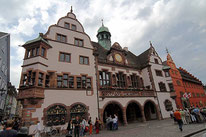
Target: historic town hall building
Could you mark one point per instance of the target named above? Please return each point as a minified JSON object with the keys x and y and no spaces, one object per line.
{"x":65,"y":74}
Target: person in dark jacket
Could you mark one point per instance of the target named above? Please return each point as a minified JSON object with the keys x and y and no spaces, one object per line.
{"x":76,"y":124}
{"x":23,"y":132}
{"x":69,"y":128}
{"x":9,"y":132}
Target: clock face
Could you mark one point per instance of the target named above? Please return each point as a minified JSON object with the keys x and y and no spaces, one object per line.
{"x":118,"y":57}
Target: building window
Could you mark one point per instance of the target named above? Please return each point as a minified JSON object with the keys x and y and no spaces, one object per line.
{"x":56,"y":115}
{"x":61,"y":38}
{"x":158,"y":73}
{"x":171,"y":86}
{"x":168,"y":105}
{"x":47,"y":81}
{"x":40,"y":81}
{"x":71,"y":82}
{"x":198,"y":95}
{"x":37,"y":51}
{"x":121,"y":80}
{"x":162,"y":86}
{"x":178,"y":83}
{"x":83,"y":82}
{"x":83,"y":60}
{"x":64,"y":57}
{"x":78,"y":42}
{"x":74,"y":27}
{"x":24,"y":79}
{"x":156,"y":61}
{"x":104,"y":78}
{"x":134,"y":80}
{"x":59,"y":81}
{"x":65,"y":80}
{"x":67,"y":25}
{"x":43,"y":52}
{"x":193,"y":95}
{"x":167,"y":74}
{"x":79,"y":82}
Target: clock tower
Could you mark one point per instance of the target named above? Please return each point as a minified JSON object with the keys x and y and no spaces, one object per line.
{"x":104,"y":37}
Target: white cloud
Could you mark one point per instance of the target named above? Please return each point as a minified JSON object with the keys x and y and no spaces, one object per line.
{"x":178,"y":25}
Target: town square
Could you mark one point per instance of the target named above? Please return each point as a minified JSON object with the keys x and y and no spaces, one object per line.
{"x":102,"y":68}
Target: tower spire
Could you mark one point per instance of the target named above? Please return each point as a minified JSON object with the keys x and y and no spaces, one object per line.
{"x":102,"y":22}
{"x":150,"y":44}
{"x":71,"y":10}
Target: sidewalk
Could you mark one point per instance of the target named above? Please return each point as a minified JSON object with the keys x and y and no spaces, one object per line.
{"x":163,"y":128}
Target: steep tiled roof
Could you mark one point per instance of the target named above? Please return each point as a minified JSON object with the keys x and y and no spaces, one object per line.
{"x":188,"y":77}
{"x":102,"y":55}
{"x":143,"y":59}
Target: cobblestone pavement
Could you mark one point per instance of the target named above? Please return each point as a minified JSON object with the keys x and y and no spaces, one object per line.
{"x":156,"y":128}
{"x":163,"y":128}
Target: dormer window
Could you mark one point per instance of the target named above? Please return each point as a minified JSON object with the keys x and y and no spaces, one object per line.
{"x":67,"y":25}
{"x":156,"y":61}
{"x":74,"y":27}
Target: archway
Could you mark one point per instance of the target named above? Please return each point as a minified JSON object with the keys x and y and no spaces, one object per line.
{"x":133,"y":113}
{"x":111,"y":109}
{"x":150,"y":111}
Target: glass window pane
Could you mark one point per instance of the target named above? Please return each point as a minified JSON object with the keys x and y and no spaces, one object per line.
{"x":74,"y":27}
{"x":80,"y":43}
{"x":67,"y":58}
{"x":58,"y":37}
{"x":61,"y":57}
{"x":63,"y":39}
{"x":86,"y":61}
{"x":66,"y":25}
{"x":81,"y":60}
{"x":76,"y":42}
{"x":42,"y":52}
{"x":37,"y":51}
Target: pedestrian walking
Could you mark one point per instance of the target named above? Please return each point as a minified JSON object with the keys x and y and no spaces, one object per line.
{"x":177,"y":115}
{"x":76,"y":124}
{"x":9,"y":132}
{"x":82,"y":127}
{"x":183,"y":117}
{"x":90,"y":125}
{"x":97,"y":126}
{"x":115,"y":120}
{"x":110,"y":122}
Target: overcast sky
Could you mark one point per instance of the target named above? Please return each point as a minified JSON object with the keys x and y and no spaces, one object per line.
{"x":179,"y":25}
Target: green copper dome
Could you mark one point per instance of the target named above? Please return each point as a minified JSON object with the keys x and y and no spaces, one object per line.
{"x":103,"y":29}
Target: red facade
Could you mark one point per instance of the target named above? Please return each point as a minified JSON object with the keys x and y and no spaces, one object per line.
{"x":189,"y":90}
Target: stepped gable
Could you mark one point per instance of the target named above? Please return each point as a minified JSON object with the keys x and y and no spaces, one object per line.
{"x":102,"y":54}
{"x":188,"y":77}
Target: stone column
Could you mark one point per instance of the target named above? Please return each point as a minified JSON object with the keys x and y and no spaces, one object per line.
{"x":143,"y":116}
{"x":125,"y":116}
{"x":158,"y":113}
